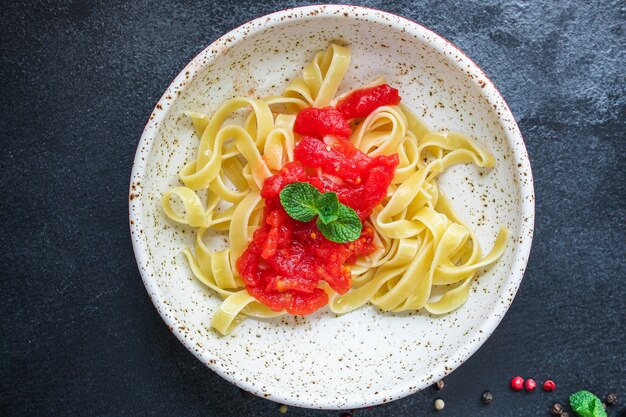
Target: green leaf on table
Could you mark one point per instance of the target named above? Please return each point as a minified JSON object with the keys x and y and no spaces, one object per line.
{"x":586,"y":404}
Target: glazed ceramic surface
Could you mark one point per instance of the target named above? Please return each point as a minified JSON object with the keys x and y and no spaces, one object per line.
{"x":365,"y":357}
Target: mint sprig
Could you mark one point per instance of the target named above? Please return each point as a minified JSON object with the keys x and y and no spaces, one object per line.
{"x":328,"y":208}
{"x":299,"y":199}
{"x":346,"y":228}
{"x":586,"y":404}
{"x":337,"y":222}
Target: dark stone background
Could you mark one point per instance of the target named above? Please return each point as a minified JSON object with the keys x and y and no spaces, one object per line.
{"x":78,"y":334}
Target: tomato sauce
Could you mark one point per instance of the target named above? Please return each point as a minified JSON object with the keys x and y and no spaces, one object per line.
{"x":286,"y":259}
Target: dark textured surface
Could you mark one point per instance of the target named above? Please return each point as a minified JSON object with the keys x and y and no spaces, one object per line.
{"x":78,"y":334}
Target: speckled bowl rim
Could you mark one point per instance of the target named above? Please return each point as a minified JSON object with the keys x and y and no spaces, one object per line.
{"x":489,"y":91}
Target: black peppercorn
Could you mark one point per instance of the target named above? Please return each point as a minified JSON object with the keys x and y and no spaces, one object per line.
{"x":439,"y":385}
{"x":556,"y":409}
{"x":611,"y":399}
{"x":486,"y":398}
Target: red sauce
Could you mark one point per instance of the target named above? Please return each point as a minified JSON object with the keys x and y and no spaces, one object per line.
{"x":361,"y":103}
{"x":287,"y":259}
{"x":360,"y":182}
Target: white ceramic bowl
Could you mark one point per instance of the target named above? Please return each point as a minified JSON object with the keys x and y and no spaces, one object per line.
{"x":366,"y":357}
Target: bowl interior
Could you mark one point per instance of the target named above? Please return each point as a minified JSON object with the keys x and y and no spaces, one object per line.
{"x":365,"y":357}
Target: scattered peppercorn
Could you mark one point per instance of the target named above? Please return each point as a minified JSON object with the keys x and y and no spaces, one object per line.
{"x":517,"y":383}
{"x":486,"y":398}
{"x":282,"y":409}
{"x":556,"y":409}
{"x":439,"y":385}
{"x":611,"y":399}
{"x":530,"y":385}
{"x":549,"y":385}
{"x":439,"y":404}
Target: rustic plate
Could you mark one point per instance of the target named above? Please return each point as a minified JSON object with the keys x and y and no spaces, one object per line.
{"x":366,"y":357}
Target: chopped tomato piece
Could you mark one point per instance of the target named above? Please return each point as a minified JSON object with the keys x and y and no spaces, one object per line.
{"x":361,"y":103}
{"x":302,"y":304}
{"x":366,"y":179}
{"x":314,"y":153}
{"x":315,"y":122}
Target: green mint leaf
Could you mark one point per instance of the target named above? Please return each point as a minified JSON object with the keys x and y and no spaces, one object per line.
{"x":299,"y":200}
{"x":327,"y":207}
{"x":346,"y":228}
{"x":327,"y":219}
{"x":585,"y":404}
{"x":598,"y":410}
{"x":337,"y":222}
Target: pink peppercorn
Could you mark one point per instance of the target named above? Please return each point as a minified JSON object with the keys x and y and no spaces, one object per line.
{"x":549,"y":385}
{"x":517,"y":383}
{"x":530,"y":385}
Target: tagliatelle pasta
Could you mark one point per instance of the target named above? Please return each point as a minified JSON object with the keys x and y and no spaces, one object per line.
{"x":420,"y":243}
